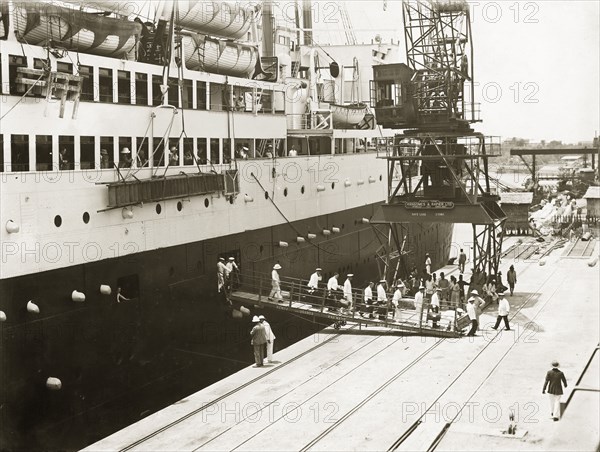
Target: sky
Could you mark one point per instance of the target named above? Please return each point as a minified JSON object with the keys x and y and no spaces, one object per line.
{"x":537,"y":64}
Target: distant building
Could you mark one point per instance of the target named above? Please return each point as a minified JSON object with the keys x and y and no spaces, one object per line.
{"x":516,"y":206}
{"x":592,"y":198}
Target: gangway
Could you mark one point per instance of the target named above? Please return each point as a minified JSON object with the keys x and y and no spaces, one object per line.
{"x":253,"y":291}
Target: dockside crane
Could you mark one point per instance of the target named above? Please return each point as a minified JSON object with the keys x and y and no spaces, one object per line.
{"x":438,"y":165}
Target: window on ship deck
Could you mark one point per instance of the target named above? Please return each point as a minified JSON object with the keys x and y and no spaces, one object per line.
{"x":124,"y":87}
{"x":156,"y":93}
{"x":87,"y":87}
{"x":143,"y":156}
{"x":43,"y":152}
{"x":173,"y":92}
{"x":188,"y":94}
{"x":215,"y":156}
{"x":141,"y":89}
{"x":216,"y":97}
{"x":87,"y":154}
{"x":19,"y":151}
{"x":200,"y":95}
{"x":201,"y":151}
{"x":107,"y":158}
{"x":105,"y":79}
{"x":1,"y":153}
{"x":15,"y":62}
{"x":188,"y":151}
{"x":66,"y":150}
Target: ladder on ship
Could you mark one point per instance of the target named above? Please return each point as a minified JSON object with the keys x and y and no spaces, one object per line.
{"x":253,"y":290}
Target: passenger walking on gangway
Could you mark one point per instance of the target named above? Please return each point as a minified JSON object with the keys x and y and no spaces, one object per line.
{"x":435,"y":306}
{"x":275,"y":284}
{"x":348,"y":290}
{"x":396,"y":300}
{"x":333,"y":291}
{"x":503,"y":310}
{"x":382,"y":299}
{"x":315,"y":279}
{"x":368,"y":299}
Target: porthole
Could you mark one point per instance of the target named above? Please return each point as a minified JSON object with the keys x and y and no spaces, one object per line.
{"x":179,"y":206}
{"x":285,"y":192}
{"x":302,"y":189}
{"x":266,"y":195}
{"x":158,"y":209}
{"x":86,"y":217}
{"x":57,"y":221}
{"x":206,"y":202}
{"x":333,"y":185}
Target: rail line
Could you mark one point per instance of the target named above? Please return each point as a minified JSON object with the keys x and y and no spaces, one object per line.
{"x":582,"y":248}
{"x":442,"y":433}
{"x":228,"y":394}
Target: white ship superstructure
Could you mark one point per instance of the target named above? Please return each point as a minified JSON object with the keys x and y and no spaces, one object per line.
{"x":131,"y":159}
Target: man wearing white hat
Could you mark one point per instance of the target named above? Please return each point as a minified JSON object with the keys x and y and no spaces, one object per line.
{"x":368,"y":299}
{"x":315,"y":278}
{"x":396,"y":299}
{"x":275,"y":287}
{"x":435,"y":306}
{"x":270,"y":338}
{"x":503,"y":310}
{"x":222,"y":274}
{"x":348,"y":290}
{"x":259,"y":339}
{"x":125,"y":158}
{"x":231,"y":266}
{"x":478,"y":302}
{"x":472,"y":316}
{"x":419,"y":296}
{"x":554,"y":381}
{"x":382,"y":299}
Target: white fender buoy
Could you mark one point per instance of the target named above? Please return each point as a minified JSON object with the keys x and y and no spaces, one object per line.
{"x":77,"y":296}
{"x":371,"y":180}
{"x":360,"y":182}
{"x":320,"y":187}
{"x":282,"y":244}
{"x":347,"y":183}
{"x":53,"y":383}
{"x":12,"y":227}
{"x":592,"y":262}
{"x":300,"y":240}
{"x":126,"y":213}
{"x":32,"y":307}
{"x":248,"y":198}
{"x":542,"y":262}
{"x":105,"y":289}
{"x":245,"y":311}
{"x":326,"y":232}
{"x":2,"y":316}
{"x":335,"y":230}
{"x":236,"y":314}
{"x":311,"y":236}
{"x":365,"y":221}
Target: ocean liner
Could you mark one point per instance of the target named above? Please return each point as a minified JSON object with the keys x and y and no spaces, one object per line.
{"x":137,"y":151}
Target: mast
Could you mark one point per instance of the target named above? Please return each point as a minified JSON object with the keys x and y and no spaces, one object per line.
{"x":268,"y":29}
{"x":307,"y":21}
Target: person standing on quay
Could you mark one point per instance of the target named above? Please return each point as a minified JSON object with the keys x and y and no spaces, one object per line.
{"x":428,"y":263}
{"x":259,"y":339}
{"x":503,"y":310}
{"x":270,"y":338}
{"x":511,"y":278}
{"x":472,"y":316}
{"x":275,"y":287}
{"x":554,"y":380}
{"x":462,"y":260}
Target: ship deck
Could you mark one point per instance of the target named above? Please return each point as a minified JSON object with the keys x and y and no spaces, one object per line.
{"x":367,"y":389}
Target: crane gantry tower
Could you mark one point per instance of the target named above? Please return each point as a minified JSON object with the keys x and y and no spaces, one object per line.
{"x":438,"y":165}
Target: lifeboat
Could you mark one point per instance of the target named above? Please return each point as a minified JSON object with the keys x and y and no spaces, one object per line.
{"x":75,"y":30}
{"x":347,"y":116}
{"x":224,"y":19}
{"x":219,"y":57}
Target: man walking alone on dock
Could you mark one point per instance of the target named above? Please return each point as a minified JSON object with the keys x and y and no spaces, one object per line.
{"x":462,"y":260}
{"x":511,"y":278}
{"x":259,"y":339}
{"x":554,"y":380}
{"x":503,"y":310}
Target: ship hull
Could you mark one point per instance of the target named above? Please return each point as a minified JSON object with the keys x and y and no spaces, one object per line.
{"x":173,"y":328}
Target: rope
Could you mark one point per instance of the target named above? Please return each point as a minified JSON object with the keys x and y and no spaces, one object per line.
{"x":22,"y":97}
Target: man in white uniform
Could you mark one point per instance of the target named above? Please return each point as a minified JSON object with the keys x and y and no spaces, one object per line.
{"x":348,"y":290}
{"x":503,"y":310}
{"x":333,"y":290}
{"x":275,"y":288}
{"x":419,"y":296}
{"x":270,"y":339}
{"x":315,"y":279}
{"x":396,"y":300}
{"x":368,"y":299}
{"x":435,"y":306}
{"x":222,"y":274}
{"x":472,"y":316}
{"x":231,"y":266}
{"x":382,"y":299}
